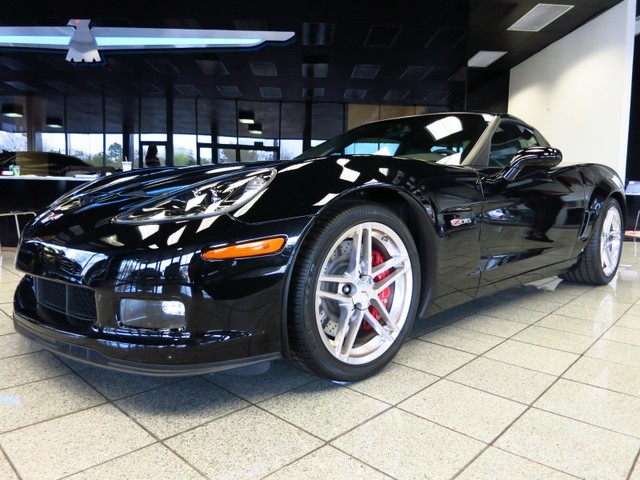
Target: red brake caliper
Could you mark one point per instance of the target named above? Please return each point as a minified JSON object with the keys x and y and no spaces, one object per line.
{"x":377,"y":259}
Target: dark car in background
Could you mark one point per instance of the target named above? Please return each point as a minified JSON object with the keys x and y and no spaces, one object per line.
{"x":48,"y":164}
{"x":325,"y":260}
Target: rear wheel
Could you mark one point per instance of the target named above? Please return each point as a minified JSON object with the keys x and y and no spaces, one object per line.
{"x":354,"y":292}
{"x":599,"y":261}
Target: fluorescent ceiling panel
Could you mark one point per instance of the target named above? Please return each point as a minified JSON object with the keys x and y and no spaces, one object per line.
{"x":484,"y":58}
{"x":539,"y":17}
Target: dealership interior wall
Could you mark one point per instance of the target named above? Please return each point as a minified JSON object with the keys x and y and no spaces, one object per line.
{"x":579,"y":89}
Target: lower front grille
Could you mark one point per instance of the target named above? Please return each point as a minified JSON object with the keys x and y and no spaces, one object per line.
{"x":78,"y":304}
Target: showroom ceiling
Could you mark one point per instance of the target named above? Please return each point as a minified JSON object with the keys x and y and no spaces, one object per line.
{"x":343,"y":52}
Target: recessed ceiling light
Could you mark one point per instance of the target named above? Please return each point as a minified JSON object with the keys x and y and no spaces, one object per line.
{"x":54,"y":122}
{"x":246,"y":117}
{"x":12,"y":111}
{"x":539,"y":17}
{"x":256,"y":129}
{"x":484,"y":58}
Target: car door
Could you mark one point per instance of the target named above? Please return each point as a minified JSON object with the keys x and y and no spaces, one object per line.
{"x":531,"y":221}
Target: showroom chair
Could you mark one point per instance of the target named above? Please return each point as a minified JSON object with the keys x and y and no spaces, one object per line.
{"x":15,"y":214}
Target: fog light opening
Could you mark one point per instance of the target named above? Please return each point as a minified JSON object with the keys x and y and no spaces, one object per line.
{"x":152,"y":314}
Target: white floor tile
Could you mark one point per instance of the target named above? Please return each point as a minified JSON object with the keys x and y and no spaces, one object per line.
{"x":72,"y":443}
{"x":153,"y":462}
{"x":534,"y":357}
{"x":594,"y":405}
{"x":175,"y":408}
{"x":325,"y":463}
{"x":466,"y":410}
{"x":496,"y":464}
{"x":409,"y":447}
{"x":600,"y":373}
{"x":570,"y":446}
{"x":248,"y":444}
{"x":323,"y":408}
{"x":510,"y":381}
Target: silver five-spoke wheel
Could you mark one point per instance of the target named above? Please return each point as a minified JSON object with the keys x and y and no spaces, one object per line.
{"x":364,"y":293}
{"x":598,"y":262}
{"x":354,"y":292}
{"x":611,"y":240}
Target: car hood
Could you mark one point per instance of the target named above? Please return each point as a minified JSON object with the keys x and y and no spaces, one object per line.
{"x":148,"y":183}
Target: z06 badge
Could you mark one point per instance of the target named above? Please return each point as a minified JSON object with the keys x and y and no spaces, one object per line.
{"x":456,"y":222}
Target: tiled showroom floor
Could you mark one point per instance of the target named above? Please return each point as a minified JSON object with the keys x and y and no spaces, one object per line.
{"x":537,"y":382}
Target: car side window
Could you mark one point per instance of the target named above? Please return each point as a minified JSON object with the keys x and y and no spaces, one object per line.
{"x":509,"y":138}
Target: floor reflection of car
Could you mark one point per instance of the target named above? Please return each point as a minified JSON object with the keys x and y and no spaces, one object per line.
{"x":48,"y":164}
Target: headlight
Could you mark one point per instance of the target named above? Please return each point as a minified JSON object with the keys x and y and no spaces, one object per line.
{"x":201,"y":200}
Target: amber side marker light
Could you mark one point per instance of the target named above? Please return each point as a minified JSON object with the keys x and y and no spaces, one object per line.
{"x":266,"y":246}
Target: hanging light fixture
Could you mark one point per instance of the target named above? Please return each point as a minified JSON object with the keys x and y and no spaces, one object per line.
{"x":256,"y":129}
{"x":11,"y":110}
{"x":246,"y":117}
{"x":54,"y":122}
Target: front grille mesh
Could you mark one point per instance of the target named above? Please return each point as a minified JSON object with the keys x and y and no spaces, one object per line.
{"x":78,"y":304}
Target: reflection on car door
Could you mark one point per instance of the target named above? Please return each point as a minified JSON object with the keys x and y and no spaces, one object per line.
{"x":532,"y":221}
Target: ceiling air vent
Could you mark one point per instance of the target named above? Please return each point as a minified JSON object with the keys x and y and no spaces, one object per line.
{"x":416,"y":72}
{"x":213,"y":67}
{"x":539,"y":17}
{"x":355,"y":93}
{"x":271,"y":92}
{"x":162,"y":65}
{"x":446,"y":38}
{"x":382,"y":36}
{"x":264,"y":69}
{"x":396,"y":95}
{"x":368,"y":72}
{"x":187,"y":90}
{"x":229,"y":91}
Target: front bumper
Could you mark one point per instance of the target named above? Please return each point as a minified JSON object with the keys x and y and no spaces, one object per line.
{"x":121,"y":355}
{"x":233,"y":308}
{"x":104,"y":342}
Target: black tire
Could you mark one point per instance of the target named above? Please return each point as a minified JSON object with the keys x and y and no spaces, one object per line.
{"x":339,"y":324}
{"x":598,"y":263}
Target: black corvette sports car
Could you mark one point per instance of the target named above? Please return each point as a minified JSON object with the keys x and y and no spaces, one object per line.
{"x":325,"y":260}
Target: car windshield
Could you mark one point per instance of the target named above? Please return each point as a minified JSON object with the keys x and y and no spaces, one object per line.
{"x":442,"y":138}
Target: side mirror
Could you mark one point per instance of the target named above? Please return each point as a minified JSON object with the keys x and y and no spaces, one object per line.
{"x":541,"y":157}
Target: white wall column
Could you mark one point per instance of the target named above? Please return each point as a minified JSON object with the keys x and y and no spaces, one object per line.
{"x":577,"y":91}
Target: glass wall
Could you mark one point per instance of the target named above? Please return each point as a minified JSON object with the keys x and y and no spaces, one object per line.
{"x":186,"y":131}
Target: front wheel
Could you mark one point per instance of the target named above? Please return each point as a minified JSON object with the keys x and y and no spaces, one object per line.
{"x":599,"y":261}
{"x":354,"y":292}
